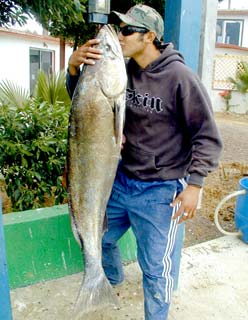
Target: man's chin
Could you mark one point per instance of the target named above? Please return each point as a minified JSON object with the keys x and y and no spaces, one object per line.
{"x":125,"y":55}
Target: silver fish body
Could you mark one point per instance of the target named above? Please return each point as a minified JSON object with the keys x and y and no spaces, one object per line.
{"x":94,"y":144}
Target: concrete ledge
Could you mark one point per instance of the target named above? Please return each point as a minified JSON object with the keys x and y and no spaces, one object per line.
{"x":40,"y":246}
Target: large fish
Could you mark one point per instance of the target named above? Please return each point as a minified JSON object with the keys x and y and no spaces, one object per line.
{"x":94,"y":144}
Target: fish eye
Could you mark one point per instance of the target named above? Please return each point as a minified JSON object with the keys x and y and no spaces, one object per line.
{"x":107,"y":47}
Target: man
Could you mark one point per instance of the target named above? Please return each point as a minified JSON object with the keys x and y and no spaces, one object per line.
{"x":171,"y":143}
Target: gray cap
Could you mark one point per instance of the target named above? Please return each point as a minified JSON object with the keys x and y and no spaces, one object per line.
{"x":145,"y":17}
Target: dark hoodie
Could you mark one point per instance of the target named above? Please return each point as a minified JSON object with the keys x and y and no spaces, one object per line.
{"x":170,"y":129}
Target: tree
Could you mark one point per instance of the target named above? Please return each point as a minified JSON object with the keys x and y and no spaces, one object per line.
{"x":11,"y":13}
{"x":62,"y":18}
{"x":66,"y":19}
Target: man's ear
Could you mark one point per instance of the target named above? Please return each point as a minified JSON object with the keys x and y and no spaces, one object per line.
{"x":150,"y":36}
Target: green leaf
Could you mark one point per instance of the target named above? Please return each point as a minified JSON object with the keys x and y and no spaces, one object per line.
{"x":13,"y":94}
{"x":33,"y":139}
{"x":241,"y":80}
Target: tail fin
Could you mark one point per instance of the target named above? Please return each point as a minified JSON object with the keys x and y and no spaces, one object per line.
{"x":94,"y":294}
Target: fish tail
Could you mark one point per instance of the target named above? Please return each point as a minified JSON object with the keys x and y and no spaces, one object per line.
{"x":94,"y":294}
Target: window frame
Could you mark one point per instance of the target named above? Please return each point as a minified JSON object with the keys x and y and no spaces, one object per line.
{"x":223,"y":31}
{"x":52,"y":66}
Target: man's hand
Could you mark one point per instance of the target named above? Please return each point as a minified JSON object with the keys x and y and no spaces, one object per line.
{"x":86,"y":54}
{"x":123,"y":142}
{"x":188,"y":200}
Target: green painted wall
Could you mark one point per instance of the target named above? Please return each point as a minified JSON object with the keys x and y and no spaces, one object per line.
{"x":40,"y":246}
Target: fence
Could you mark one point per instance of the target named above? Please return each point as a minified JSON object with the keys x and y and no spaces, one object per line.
{"x":226,"y":66}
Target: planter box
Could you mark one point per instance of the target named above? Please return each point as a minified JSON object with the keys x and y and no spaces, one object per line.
{"x":40,"y":246}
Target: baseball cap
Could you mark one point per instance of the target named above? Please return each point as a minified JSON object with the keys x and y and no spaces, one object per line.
{"x":143,"y":16}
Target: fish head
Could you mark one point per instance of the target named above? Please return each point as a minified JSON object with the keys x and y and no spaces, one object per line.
{"x":110,"y":68}
{"x":109,"y":43}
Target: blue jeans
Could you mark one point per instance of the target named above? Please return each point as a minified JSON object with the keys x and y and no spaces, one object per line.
{"x":145,"y":206}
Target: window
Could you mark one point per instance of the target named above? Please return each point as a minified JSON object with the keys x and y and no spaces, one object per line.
{"x":40,"y":60}
{"x":229,"y":31}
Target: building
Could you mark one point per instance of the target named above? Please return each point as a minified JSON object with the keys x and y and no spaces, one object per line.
{"x":26,"y":50}
{"x":231,"y":48}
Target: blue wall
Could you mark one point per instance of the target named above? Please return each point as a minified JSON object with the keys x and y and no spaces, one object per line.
{"x":183,"y":23}
{"x":5,"y":307}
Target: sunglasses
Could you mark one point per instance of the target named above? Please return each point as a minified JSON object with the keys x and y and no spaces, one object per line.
{"x":128,"y":30}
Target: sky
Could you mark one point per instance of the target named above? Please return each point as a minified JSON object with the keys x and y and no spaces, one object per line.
{"x":235,"y":4}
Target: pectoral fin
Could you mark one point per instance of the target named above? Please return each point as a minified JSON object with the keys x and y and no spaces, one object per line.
{"x":118,"y":123}
{"x":105,"y":223}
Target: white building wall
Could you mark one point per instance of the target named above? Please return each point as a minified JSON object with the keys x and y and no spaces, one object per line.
{"x":239,"y":101}
{"x":14,"y":59}
{"x":34,"y":27}
{"x":68,"y":52}
{"x":245,"y":33}
{"x":14,"y":56}
{"x":208,"y":44}
{"x":234,"y":4}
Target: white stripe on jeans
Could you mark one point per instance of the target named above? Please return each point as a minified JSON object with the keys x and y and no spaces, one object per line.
{"x":167,"y":257}
{"x":170,"y":245}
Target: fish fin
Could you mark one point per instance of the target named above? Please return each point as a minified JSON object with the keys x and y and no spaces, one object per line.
{"x":73,"y":222}
{"x":105,"y":223}
{"x":94,"y":295}
{"x":118,"y":123}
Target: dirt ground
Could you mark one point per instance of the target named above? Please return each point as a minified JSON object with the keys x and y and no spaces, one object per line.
{"x":234,"y":165}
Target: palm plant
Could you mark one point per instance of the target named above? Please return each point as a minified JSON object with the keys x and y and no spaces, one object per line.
{"x":12,"y":94}
{"x":241,"y":80}
{"x":51,"y":88}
